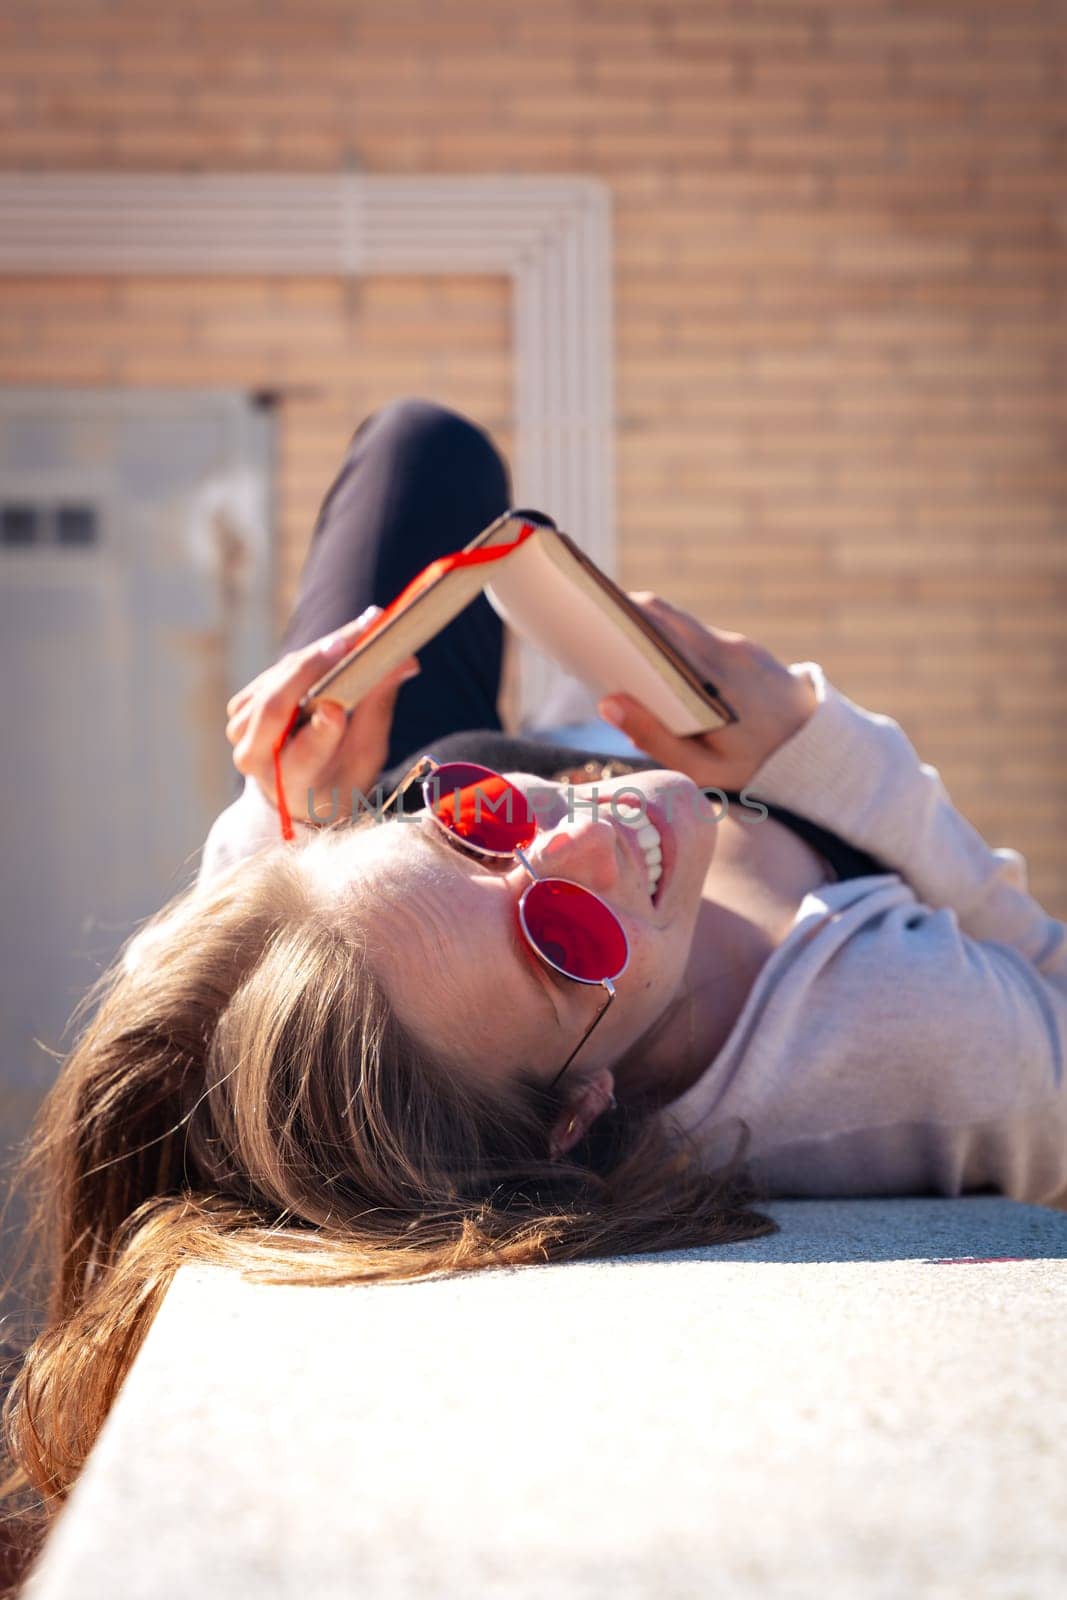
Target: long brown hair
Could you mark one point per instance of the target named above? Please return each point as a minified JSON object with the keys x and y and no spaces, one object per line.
{"x":244,"y":1094}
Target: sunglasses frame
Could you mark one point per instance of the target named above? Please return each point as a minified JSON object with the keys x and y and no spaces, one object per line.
{"x":425,"y":768}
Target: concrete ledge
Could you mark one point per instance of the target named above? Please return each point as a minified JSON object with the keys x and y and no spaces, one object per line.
{"x":851,"y":1408}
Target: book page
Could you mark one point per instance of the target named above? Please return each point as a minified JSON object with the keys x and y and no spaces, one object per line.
{"x":542,"y":592}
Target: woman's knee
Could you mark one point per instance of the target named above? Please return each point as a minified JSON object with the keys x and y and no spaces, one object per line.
{"x":425,"y":432}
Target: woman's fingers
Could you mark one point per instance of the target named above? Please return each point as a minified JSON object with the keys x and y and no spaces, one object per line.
{"x":241,"y":698}
{"x":309,"y":755}
{"x":365,"y":745}
{"x":674,"y":752}
{"x":239,"y":721}
{"x":713,"y":651}
{"x":336,"y":748}
{"x":254,"y":728}
{"x":771,"y":701}
{"x":277,"y":676}
{"x":262,"y":715}
{"x":648,"y":600}
{"x":295,"y":663}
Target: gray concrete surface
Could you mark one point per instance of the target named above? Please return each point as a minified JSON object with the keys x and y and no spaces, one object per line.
{"x":852,"y":1408}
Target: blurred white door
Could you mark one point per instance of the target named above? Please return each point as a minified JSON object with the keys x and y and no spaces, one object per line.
{"x":135,"y":596}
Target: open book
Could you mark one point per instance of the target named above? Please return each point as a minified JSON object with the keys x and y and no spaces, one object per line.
{"x":555,"y":597}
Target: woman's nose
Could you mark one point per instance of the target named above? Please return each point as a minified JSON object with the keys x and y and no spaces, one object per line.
{"x":582,"y":848}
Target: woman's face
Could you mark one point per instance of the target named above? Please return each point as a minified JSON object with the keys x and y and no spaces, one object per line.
{"x":444,"y":933}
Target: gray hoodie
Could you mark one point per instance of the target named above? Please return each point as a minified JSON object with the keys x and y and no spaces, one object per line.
{"x":908,"y":1035}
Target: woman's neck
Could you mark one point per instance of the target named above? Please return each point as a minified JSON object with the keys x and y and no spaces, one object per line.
{"x":727,"y":952}
{"x":753,"y":889}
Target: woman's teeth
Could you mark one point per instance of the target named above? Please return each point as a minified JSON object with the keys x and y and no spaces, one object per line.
{"x":632,"y":815}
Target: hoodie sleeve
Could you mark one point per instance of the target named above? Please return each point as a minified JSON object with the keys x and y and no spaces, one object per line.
{"x":922,"y":1059}
{"x":857,"y":773}
{"x":922,"y":1049}
{"x":248,"y":825}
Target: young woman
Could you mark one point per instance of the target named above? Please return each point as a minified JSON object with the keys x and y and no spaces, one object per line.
{"x":771,"y":961}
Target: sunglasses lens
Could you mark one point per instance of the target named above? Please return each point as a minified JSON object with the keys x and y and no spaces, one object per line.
{"x":574,"y":929}
{"x":481,"y":808}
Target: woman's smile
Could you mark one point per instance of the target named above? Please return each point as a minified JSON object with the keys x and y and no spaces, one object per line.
{"x":680,"y":823}
{"x":649,"y":833}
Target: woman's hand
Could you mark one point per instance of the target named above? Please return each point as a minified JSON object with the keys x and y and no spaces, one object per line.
{"x":771,"y":702}
{"x":336,"y":748}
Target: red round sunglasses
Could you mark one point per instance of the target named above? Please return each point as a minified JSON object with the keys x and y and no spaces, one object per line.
{"x":568,"y":926}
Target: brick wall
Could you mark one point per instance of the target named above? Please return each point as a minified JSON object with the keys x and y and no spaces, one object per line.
{"x":840,"y":301}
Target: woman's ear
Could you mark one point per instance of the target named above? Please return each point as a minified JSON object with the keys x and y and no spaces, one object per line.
{"x":574,"y":1122}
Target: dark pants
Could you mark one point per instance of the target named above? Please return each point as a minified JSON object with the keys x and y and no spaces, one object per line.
{"x":419,"y":481}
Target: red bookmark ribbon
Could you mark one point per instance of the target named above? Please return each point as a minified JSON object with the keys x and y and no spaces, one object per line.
{"x":422,"y":580}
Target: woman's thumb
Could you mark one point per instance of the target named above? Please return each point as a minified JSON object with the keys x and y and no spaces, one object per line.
{"x":328,"y":717}
{"x":635,"y":721}
{"x":383,"y":696}
{"x":322,"y":734}
{"x":372,"y":719}
{"x":647,"y":732}
{"x":311,"y":752}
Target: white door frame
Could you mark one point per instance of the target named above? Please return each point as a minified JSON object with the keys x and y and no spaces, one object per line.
{"x":550,"y":235}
